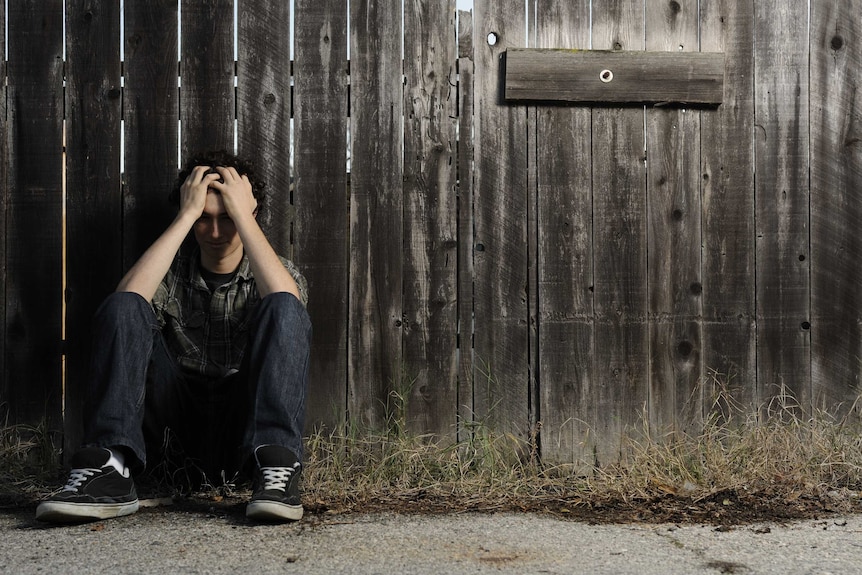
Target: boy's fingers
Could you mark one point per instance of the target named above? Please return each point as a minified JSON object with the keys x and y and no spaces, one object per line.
{"x":199,"y":175}
{"x":214,"y":178}
{"x":228,"y":173}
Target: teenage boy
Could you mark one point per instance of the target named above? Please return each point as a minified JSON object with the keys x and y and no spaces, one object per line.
{"x":209,"y":346}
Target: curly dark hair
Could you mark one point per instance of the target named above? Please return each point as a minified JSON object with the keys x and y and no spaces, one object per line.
{"x":219,"y":158}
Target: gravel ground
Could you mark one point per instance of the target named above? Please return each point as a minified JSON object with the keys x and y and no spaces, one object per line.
{"x":179,"y":539}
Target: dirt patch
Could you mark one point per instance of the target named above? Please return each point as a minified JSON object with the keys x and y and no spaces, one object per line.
{"x":726,"y":508}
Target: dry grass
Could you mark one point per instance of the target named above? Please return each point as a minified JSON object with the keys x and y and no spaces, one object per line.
{"x":775,"y":463}
{"x":777,"y":451}
{"x":29,"y":463}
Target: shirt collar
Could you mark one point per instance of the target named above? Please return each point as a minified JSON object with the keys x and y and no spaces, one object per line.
{"x":243,"y":271}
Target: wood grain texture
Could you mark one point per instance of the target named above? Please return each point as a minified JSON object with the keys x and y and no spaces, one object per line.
{"x":376,"y":225}
{"x":501,"y":331}
{"x":93,"y":189}
{"x":321,"y":199}
{"x":151,"y":113}
{"x":727,"y":156}
{"x":782,"y":200}
{"x":565,"y":256}
{"x":430,"y":218}
{"x":263,"y":110}
{"x":207,"y":95}
{"x":619,"y":236}
{"x":836,"y":205}
{"x":559,"y":75}
{"x":32,"y":385}
{"x":674,"y":237}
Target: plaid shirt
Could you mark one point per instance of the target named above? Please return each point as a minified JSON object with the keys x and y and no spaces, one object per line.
{"x":207,"y":331}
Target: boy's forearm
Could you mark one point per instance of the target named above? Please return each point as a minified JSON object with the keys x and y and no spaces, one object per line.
{"x":269,"y":273}
{"x":145,"y":276}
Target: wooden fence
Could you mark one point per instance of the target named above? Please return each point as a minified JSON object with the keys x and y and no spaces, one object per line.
{"x":566,"y":273}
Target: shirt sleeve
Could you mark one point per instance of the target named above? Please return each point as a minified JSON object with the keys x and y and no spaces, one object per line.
{"x":300,"y":280}
{"x":160,"y":298}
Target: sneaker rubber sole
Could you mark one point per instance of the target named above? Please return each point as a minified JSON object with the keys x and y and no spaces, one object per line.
{"x":155,"y":501}
{"x":273,"y":511}
{"x":68,"y":512}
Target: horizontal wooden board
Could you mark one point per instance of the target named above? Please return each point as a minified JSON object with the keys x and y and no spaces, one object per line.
{"x":614,"y":76}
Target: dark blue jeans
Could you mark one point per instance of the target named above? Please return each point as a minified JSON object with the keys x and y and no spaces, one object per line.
{"x":137,"y":396}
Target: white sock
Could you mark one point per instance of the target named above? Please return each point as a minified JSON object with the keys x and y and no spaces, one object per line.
{"x":117,"y":461}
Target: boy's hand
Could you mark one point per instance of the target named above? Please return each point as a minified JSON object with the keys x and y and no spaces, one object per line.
{"x":193,"y":192}
{"x":236,"y":193}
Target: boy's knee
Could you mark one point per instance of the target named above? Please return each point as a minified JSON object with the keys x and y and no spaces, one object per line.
{"x":284,"y":303}
{"x":282,"y":312}
{"x":124,"y":307}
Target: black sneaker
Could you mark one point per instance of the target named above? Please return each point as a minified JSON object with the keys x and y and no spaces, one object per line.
{"x":95,"y":490}
{"x":276,"y":485}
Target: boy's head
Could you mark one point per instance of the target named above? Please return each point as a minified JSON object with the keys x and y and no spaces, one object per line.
{"x":219,"y":158}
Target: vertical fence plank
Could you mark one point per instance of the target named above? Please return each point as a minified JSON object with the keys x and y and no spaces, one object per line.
{"x":781,"y":199}
{"x":534,"y":406}
{"x":5,"y":197}
{"x":33,"y":224}
{"x":430,"y":218}
{"x":376,"y":104}
{"x":727,"y":153}
{"x":622,"y":360}
{"x":263,"y":109}
{"x":207,"y":95}
{"x":93,"y":193}
{"x":836,"y":205}
{"x":465,"y":218}
{"x":674,"y":216}
{"x":501,"y":332}
{"x":151,"y":115}
{"x":322,"y":210}
{"x":565,"y":266}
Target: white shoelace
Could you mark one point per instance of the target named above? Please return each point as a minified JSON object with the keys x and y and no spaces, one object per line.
{"x":77,"y":477}
{"x":277,"y":477}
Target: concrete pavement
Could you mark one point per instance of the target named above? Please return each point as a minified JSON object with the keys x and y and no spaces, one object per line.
{"x":221,"y":540}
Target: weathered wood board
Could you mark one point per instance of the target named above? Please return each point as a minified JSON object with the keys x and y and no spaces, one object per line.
{"x":674,"y":215}
{"x":782,"y":203}
{"x":263,"y":103}
{"x":727,"y":168}
{"x":321,"y":199}
{"x":6,"y":384}
{"x":546,"y":74}
{"x":501,"y":330}
{"x":94,"y":247}
{"x":620,"y":249}
{"x":32,"y":387}
{"x":465,"y":222}
{"x":430,"y":303}
{"x":207,"y":67}
{"x":565,"y":256}
{"x":151,"y":113}
{"x":836,"y":204}
{"x":375,"y":363}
